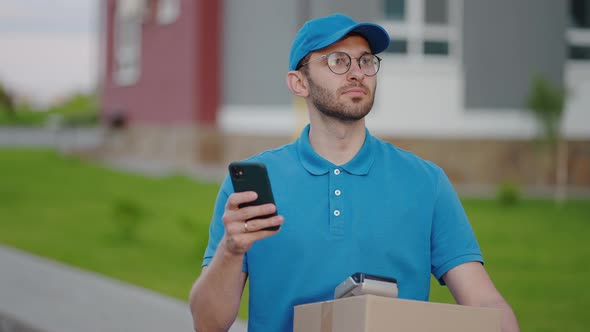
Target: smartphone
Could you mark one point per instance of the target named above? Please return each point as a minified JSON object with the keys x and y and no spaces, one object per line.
{"x":363,"y":283}
{"x":253,"y":176}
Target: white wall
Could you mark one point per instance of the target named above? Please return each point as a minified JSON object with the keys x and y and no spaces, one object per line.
{"x":426,"y":100}
{"x":263,"y":120}
{"x":576,"y":122}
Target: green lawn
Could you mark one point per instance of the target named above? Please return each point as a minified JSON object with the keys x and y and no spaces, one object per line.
{"x":538,"y":255}
{"x":85,"y":215}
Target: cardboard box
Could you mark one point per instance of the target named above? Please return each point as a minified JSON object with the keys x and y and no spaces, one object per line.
{"x":370,"y":313}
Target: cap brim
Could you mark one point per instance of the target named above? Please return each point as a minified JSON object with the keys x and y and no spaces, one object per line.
{"x":377,"y":37}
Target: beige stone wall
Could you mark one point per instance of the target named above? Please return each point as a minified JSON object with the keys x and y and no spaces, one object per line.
{"x":466,"y":162}
{"x":494,"y":161}
{"x":237,"y":147}
{"x":579,"y":163}
{"x":179,"y":145}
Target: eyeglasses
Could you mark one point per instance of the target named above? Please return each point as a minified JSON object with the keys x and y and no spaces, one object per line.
{"x":340,"y":62}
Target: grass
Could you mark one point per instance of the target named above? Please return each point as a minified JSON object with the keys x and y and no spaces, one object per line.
{"x":152,"y":232}
{"x":537,"y":255}
{"x":66,"y":209}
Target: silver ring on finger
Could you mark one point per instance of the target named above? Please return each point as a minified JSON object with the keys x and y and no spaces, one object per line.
{"x":246,"y":227}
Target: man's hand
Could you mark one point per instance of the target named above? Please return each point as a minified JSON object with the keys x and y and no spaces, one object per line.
{"x":243,"y":225}
{"x":215,"y":296}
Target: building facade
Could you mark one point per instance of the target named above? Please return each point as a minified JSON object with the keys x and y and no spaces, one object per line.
{"x":160,"y":83}
{"x":452,"y":88}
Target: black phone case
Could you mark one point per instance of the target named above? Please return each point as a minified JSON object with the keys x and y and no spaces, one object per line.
{"x":254,"y":177}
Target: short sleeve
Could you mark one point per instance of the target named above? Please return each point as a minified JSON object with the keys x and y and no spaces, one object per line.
{"x":216,"y":228}
{"x":452,"y":239}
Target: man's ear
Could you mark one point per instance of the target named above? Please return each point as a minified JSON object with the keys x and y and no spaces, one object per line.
{"x":297,"y":83}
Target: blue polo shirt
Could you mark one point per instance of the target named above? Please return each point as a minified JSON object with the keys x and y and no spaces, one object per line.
{"x":386,"y":212}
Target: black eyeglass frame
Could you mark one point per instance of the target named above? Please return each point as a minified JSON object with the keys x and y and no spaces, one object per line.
{"x":358,"y":61}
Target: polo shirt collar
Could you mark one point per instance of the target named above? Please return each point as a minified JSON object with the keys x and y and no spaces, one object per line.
{"x":317,"y":165}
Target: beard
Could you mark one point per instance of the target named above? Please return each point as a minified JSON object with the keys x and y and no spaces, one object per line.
{"x":327,"y":104}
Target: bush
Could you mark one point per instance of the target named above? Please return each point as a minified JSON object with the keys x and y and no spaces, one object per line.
{"x":6,"y":101}
{"x":22,"y":115}
{"x":80,"y":110}
{"x":508,"y":193}
{"x":546,"y":102}
{"x":77,"y":111}
{"x":197,"y":233}
{"x":127,"y":216}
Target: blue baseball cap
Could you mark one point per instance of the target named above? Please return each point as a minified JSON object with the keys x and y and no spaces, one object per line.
{"x":325,"y":31}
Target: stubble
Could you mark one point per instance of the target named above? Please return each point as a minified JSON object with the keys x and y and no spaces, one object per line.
{"x":327,"y":103}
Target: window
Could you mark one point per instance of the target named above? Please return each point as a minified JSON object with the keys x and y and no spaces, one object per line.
{"x":580,"y":14}
{"x":395,"y":10}
{"x":436,"y":12}
{"x":578,"y":34}
{"x":579,"y":53}
{"x":422,"y":29}
{"x":168,"y":11}
{"x":398,"y":46}
{"x":127,"y":40}
{"x":436,"y":47}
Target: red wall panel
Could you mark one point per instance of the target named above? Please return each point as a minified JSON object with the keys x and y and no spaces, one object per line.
{"x":180,"y":68}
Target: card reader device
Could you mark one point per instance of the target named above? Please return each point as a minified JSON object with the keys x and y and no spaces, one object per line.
{"x":363,"y":283}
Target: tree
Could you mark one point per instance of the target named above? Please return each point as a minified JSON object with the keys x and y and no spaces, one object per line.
{"x":546,"y":101}
{"x":7,"y":101}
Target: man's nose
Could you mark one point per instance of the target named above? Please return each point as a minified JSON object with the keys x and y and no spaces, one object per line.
{"x":355,"y":72}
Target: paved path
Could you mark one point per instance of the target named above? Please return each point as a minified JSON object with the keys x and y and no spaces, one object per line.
{"x":37,"y":294}
{"x":47,"y":137}
{"x":69,"y":139}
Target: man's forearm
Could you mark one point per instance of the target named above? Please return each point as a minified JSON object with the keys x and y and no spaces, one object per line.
{"x":215,"y":296}
{"x":471,"y":285}
{"x":509,"y":321}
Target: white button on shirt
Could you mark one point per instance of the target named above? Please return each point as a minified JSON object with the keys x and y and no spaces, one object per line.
{"x":337,"y":192}
{"x":336,"y":171}
{"x":336,"y":213}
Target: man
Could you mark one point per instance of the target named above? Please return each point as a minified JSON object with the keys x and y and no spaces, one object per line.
{"x":347,"y":202}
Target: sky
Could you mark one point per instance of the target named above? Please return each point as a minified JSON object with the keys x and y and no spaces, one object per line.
{"x":49,"y":48}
